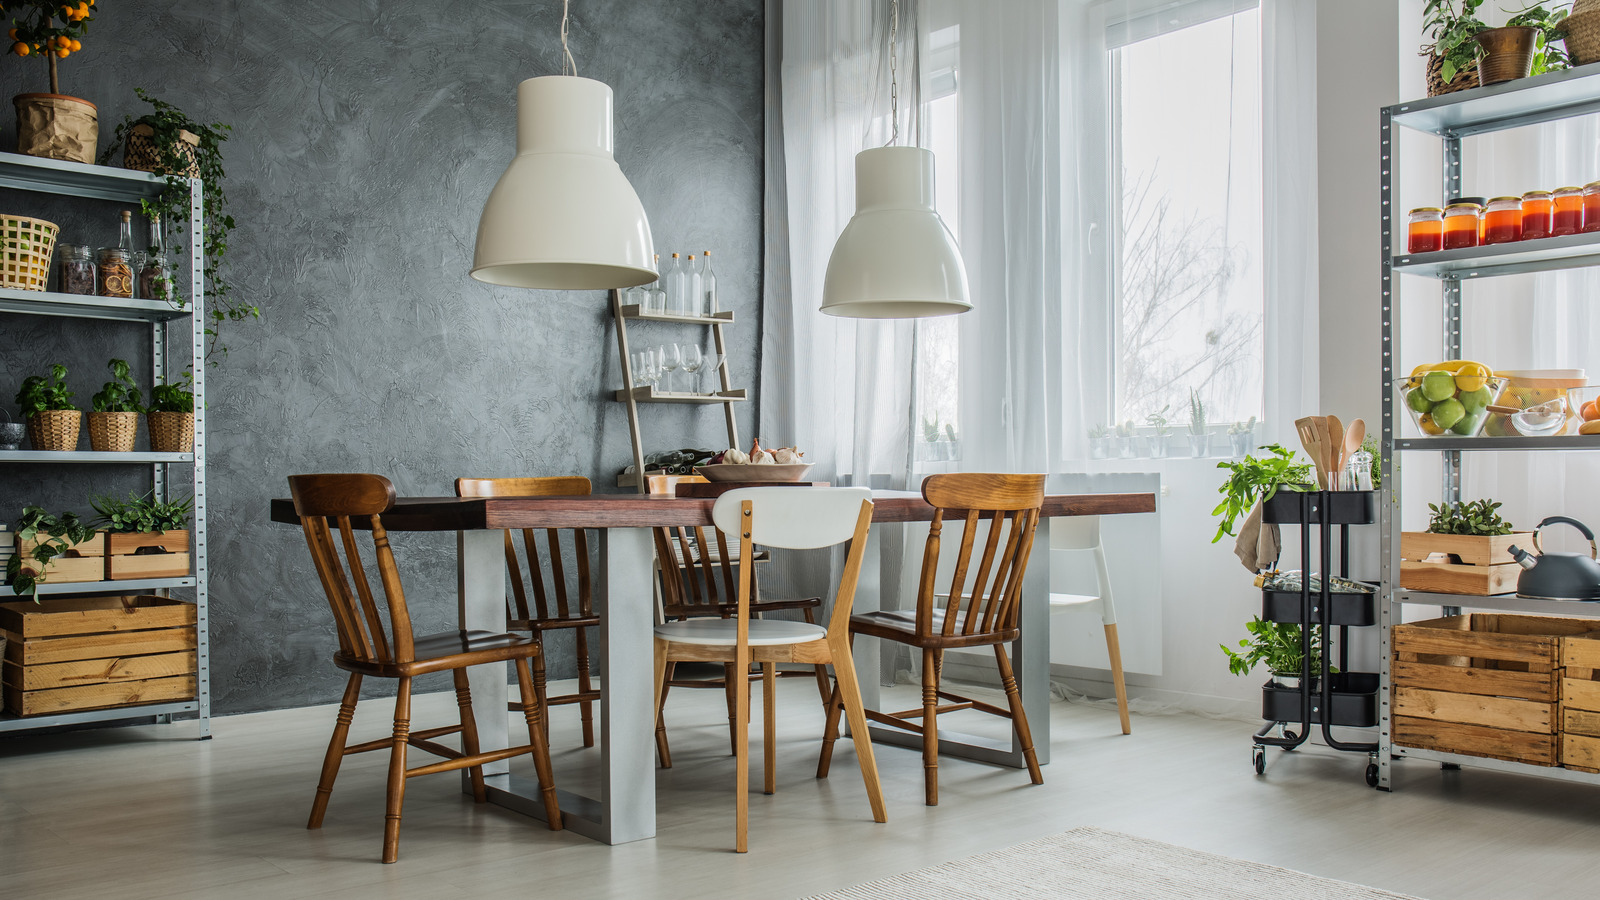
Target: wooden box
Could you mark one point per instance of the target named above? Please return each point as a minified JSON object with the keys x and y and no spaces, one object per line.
{"x":79,"y":653}
{"x":157,"y":554}
{"x":1580,"y":703}
{"x":1460,"y":563}
{"x":1482,"y":685}
{"x":82,"y":562}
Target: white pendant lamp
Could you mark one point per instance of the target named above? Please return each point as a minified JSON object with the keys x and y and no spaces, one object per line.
{"x":563,"y":216}
{"x":896,"y":259}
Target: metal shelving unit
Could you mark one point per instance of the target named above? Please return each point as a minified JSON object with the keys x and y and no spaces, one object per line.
{"x":1528,"y":101}
{"x":165,"y":320}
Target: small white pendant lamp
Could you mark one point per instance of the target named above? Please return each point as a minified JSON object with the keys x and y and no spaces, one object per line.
{"x":896,"y":259}
{"x":563,"y":216}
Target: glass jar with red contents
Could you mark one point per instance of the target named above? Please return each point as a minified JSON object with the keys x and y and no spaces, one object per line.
{"x":1502,"y":222}
{"x":1567,"y":217}
{"x":1591,"y":206}
{"x":1425,"y":230}
{"x":1461,"y":223}
{"x":1536,"y":209}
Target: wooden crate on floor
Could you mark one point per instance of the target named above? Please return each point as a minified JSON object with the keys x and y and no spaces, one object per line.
{"x":1482,"y":685}
{"x":1580,"y":703}
{"x":76,"y":653}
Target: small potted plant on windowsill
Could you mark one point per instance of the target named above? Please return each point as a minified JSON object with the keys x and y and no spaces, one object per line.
{"x":171,"y":416}
{"x":145,"y":537}
{"x":1099,"y":442}
{"x":114,"y":416}
{"x":1199,"y":439}
{"x":1161,"y":430}
{"x":1278,"y":645}
{"x":1127,"y":442}
{"x":53,"y":125}
{"x":53,"y":422}
{"x":58,"y":548}
{"x":1242,"y":437}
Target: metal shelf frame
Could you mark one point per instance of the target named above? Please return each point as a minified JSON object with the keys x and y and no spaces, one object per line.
{"x":93,"y":182}
{"x":1528,"y":101}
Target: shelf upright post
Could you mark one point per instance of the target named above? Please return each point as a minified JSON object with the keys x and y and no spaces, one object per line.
{"x":1389,"y":460}
{"x":197,"y":334}
{"x":1450,"y":468}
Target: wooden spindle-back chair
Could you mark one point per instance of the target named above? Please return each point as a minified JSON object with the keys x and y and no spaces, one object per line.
{"x":376,"y":639}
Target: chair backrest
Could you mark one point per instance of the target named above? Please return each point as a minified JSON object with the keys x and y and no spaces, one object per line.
{"x":354,"y":502}
{"x":987,"y":597}
{"x":1075,"y":533}
{"x":667,"y":484}
{"x":519,"y":612}
{"x":703,"y":583}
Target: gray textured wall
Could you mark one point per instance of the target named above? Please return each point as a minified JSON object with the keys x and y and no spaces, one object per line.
{"x":366,"y":137}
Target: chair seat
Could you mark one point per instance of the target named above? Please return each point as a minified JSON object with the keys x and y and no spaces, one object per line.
{"x":444,"y":651}
{"x":725,"y":632}
{"x":554,"y":622}
{"x":901,"y":625}
{"x":1058,"y":601}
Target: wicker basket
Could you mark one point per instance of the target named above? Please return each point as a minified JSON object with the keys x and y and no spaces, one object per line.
{"x":144,"y":154}
{"x":25,"y":247}
{"x":113,"y":432}
{"x":1465,"y":79}
{"x":171,"y":432}
{"x":55,"y":429}
{"x":1581,"y":33}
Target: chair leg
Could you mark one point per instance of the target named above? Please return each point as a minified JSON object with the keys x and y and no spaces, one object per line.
{"x":541,"y":746}
{"x":730,"y":674}
{"x":741,"y":750}
{"x":823,"y":687}
{"x":539,"y":692}
{"x":769,"y":729}
{"x":1114,"y":649}
{"x":930,"y":727}
{"x":330,"y":762}
{"x":586,"y":707}
{"x":664,"y":671}
{"x":397,"y":772}
{"x":1019,"y":716}
{"x":848,"y":694}
{"x":830,"y":731}
{"x":469,"y":733}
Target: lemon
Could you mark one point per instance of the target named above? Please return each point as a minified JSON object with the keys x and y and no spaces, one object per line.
{"x":1472,"y":376}
{"x":1427,"y":424}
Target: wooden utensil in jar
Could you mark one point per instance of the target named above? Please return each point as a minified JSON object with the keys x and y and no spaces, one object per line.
{"x":1335,"y":451}
{"x":1312,"y":444}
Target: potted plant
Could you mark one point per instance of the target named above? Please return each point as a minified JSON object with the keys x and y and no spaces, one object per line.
{"x":1466,"y":550}
{"x":1161,"y":429}
{"x":1125,"y":440}
{"x":53,"y":125}
{"x":1199,"y":440}
{"x":43,"y":542}
{"x":171,"y":416}
{"x":1099,"y":442}
{"x":1278,"y":645}
{"x":1580,"y":32}
{"x":145,"y":537}
{"x":53,"y":422}
{"x":1255,"y":480}
{"x":1452,"y":53}
{"x":1241,"y":435}
{"x":168,"y":142}
{"x":1524,"y":46}
{"x":114,"y":414}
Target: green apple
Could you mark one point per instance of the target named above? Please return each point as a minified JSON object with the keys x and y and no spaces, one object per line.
{"x":1468,"y":424}
{"x":1438,"y":386}
{"x":1417,"y":401}
{"x":1447,"y":412}
{"x":1475,"y":400}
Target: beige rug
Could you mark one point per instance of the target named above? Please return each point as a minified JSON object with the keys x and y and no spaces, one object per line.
{"x":1094,"y":864}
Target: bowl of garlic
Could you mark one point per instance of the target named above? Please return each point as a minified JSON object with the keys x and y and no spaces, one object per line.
{"x":759,"y":465}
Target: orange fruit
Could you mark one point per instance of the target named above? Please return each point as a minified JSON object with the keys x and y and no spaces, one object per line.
{"x":63,"y":52}
{"x":76,"y":45}
{"x":1590,"y":411}
{"x":20,"y":49}
{"x":12,"y":33}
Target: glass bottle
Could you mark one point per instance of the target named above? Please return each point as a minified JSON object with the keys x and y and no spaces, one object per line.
{"x":708,"y":286}
{"x":125,"y":232}
{"x":154,"y":283}
{"x":677,"y":286}
{"x":1425,"y":231}
{"x":692,"y":296}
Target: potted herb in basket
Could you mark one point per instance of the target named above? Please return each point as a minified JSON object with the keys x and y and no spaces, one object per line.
{"x":171,"y":416}
{"x":1162,"y":430}
{"x":1199,"y":440}
{"x":1255,"y":480}
{"x":53,"y":125}
{"x":53,"y":422}
{"x":114,"y":416}
{"x":1452,"y":53}
{"x":1466,"y":550}
{"x":1278,"y":645}
{"x":43,"y":542}
{"x":145,"y":537}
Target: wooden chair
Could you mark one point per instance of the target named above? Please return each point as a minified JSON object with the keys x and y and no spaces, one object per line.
{"x":789,"y":518}
{"x":366,"y":647}
{"x":541,"y":617}
{"x":1081,"y":534}
{"x":981,"y":608}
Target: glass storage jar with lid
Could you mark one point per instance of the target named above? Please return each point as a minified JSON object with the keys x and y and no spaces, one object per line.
{"x":1536,"y":209}
{"x":1502,"y":222}
{"x":1591,"y":206}
{"x":1461,"y":223}
{"x":75,"y":269}
{"x":1568,"y":215}
{"x":1425,"y":230}
{"x":115,"y":277}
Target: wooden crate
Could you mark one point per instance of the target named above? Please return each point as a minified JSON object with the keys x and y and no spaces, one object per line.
{"x":130,"y":556}
{"x":96,"y":652}
{"x":1482,"y":685}
{"x":83,"y":562}
{"x":95,"y":546}
{"x":1460,"y":563}
{"x":1580,"y":703}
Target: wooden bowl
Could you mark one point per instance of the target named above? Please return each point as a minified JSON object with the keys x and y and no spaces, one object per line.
{"x":753,"y":473}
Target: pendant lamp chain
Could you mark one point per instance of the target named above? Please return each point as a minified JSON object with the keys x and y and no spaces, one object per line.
{"x":569,"y":66}
{"x":894,"y":72}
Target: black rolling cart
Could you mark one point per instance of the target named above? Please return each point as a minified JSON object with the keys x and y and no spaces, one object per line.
{"x":1325,"y":698}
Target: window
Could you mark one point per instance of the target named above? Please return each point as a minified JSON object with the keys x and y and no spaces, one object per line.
{"x":938,"y":339}
{"x":1185,"y":150}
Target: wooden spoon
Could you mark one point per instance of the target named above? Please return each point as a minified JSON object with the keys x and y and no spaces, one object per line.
{"x":1354,"y":438}
{"x":1335,"y":451}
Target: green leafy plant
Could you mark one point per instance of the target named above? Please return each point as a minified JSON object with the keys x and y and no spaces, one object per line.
{"x":1256,"y":479}
{"x":1371,"y":446}
{"x":40,"y":394}
{"x":950,"y":432}
{"x":172,"y":206}
{"x":930,"y":430}
{"x":169,"y":397}
{"x":141,"y":514}
{"x":1275,"y":643}
{"x":1547,"y":57}
{"x":1243,"y":427}
{"x":1471,"y":517}
{"x":1158,"y":421}
{"x":1451,"y":25}
{"x":1099,"y":432}
{"x":50,"y":29}
{"x":56,"y":534}
{"x":1197,"y":414}
{"x":119,"y":394}
{"x":1125,"y":430}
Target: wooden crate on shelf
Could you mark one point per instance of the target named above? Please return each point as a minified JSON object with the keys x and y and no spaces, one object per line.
{"x":1482,"y":684}
{"x":77,"y":653}
{"x":82,"y":562}
{"x":1459,"y":563}
{"x":1580,"y":703}
{"x":159,"y":554}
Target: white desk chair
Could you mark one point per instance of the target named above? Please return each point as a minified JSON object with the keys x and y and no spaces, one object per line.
{"x":1081,"y":534}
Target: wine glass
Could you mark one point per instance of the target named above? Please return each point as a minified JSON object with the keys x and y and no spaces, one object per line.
{"x":644,"y":368}
{"x":671,"y":359}
{"x":713,"y":362}
{"x":693,"y":361}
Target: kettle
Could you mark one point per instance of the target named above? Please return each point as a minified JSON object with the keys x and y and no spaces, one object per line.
{"x":1558,"y":576}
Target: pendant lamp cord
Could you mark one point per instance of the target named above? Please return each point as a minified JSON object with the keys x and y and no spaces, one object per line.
{"x":569,"y":66}
{"x":894,"y":73}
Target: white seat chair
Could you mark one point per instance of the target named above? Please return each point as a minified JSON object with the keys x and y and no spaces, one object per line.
{"x":797,"y":518}
{"x":1081,"y":534}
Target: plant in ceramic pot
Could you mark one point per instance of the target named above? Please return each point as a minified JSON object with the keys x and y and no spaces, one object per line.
{"x":1099,"y":442}
{"x":46,"y":404}
{"x":43,"y":542}
{"x":1278,"y":645}
{"x":1161,"y":430}
{"x":167,"y":141}
{"x":1450,"y":26}
{"x":53,"y":125}
{"x":1199,"y":438}
{"x":114,"y":411}
{"x":171,"y":416}
{"x":1241,"y":435}
{"x":145,"y":537}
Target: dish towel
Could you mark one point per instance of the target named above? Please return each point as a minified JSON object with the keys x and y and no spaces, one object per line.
{"x":1259,"y":544}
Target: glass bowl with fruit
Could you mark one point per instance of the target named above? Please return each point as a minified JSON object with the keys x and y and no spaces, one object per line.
{"x":1451,"y":398}
{"x":1536,"y":403}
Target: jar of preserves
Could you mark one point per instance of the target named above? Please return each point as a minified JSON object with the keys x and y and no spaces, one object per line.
{"x":1502,"y":222}
{"x":1591,"y":206}
{"x":1536,"y":209}
{"x":1461,"y":224}
{"x":115,"y":275}
{"x":75,"y":269}
{"x":1425,"y":230}
{"x":1567,"y":216}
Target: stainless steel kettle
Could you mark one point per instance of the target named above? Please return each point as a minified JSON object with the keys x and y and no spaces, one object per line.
{"x":1559,"y":576}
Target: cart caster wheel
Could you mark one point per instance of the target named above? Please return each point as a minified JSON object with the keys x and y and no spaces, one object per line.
{"x":1372,"y":775}
{"x":1259,"y":757}
{"x":1289,"y":736}
{"x":1450,"y":767}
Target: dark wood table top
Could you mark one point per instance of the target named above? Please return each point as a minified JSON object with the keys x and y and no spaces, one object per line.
{"x":636,"y":511}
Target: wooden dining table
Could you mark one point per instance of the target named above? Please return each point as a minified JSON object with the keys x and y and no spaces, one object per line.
{"x":625,"y":809}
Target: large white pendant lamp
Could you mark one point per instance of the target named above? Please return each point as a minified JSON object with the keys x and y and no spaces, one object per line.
{"x":563,"y":216}
{"x":896,"y":259}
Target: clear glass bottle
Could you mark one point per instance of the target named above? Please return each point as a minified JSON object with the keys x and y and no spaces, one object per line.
{"x":125,"y":232}
{"x":154,"y":283}
{"x":708,"y":287}
{"x":677,"y":285}
{"x":692,"y":297}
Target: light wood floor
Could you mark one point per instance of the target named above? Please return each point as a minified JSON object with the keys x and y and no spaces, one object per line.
{"x":147,"y":812}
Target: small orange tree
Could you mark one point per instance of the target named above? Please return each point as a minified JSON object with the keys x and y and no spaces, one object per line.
{"x":49,"y":28}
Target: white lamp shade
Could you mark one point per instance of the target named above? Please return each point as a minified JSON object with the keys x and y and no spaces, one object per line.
{"x":895,"y":259}
{"x":563,"y":216}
